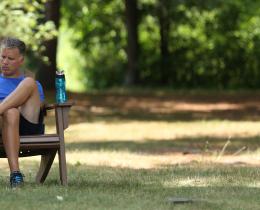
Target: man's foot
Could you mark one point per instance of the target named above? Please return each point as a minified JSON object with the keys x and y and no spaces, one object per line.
{"x":16,"y":179}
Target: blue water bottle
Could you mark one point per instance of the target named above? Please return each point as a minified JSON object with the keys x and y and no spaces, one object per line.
{"x":60,"y":85}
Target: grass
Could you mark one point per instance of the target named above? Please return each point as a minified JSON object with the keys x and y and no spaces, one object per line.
{"x":138,"y":152}
{"x":211,"y":186}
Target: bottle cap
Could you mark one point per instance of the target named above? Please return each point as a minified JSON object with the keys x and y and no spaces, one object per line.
{"x":60,"y":72}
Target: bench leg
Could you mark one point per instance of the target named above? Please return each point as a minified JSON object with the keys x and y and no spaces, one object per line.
{"x":61,"y":124}
{"x":46,"y":162}
{"x":62,"y":166}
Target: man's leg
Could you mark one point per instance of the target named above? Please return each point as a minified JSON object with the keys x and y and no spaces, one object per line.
{"x":26,"y":96}
{"x":10,"y":136}
{"x":25,"y":100}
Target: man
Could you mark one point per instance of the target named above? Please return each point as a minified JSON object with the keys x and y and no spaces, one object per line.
{"x":20,"y":102}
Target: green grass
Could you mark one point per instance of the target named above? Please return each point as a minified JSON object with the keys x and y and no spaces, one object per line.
{"x":141,"y":151}
{"x":210,"y":186}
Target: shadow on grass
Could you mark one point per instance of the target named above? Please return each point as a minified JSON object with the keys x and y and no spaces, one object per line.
{"x":184,"y":145}
{"x":183,"y":106}
{"x":112,"y":115}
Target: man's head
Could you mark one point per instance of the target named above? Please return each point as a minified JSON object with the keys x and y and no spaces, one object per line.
{"x":10,"y":43}
{"x":12,"y":56}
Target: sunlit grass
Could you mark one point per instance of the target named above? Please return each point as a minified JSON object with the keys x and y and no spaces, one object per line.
{"x":151,"y":144}
{"x":140,"y":131}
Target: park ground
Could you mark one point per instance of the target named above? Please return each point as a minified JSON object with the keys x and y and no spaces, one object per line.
{"x":147,"y":149}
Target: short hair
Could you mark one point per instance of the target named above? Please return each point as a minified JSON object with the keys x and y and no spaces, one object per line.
{"x":11,"y":42}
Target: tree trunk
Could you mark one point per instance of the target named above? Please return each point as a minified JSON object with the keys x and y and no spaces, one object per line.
{"x":164,"y":20}
{"x":46,"y":73}
{"x":131,"y":12}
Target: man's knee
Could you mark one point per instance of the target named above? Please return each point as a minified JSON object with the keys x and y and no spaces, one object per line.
{"x":11,"y":116}
{"x":29,"y":83}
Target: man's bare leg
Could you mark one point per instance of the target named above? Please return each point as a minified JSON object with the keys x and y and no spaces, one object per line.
{"x":10,"y":136}
{"x":26,"y":96}
{"x":24,"y":99}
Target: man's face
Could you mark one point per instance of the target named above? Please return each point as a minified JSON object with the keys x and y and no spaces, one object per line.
{"x":10,"y":62}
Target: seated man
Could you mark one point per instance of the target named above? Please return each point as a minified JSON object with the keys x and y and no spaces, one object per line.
{"x":21,"y":99}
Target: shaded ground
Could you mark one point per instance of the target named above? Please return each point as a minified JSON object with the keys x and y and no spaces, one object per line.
{"x":169,"y":106}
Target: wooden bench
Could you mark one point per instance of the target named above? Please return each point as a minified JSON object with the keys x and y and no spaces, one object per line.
{"x":47,"y":145}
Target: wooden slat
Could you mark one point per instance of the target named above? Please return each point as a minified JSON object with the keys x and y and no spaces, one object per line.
{"x":32,"y":150}
{"x":35,"y":152}
{"x":52,"y":106}
{"x":37,"y":139}
{"x":39,"y":145}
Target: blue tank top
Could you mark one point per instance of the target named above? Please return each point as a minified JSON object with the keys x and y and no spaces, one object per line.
{"x":7,"y":85}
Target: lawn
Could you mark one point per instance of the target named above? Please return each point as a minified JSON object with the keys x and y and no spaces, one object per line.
{"x":145,"y":150}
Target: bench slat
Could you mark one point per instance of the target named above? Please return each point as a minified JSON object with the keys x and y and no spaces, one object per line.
{"x":37,"y":139}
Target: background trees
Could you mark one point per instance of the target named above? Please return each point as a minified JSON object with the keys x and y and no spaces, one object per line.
{"x":181,"y":44}
{"x":176,"y":44}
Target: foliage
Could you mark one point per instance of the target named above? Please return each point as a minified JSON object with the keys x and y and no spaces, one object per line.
{"x":100,"y":36}
{"x":23,"y":19}
{"x":71,"y":61}
{"x":217,"y":44}
{"x":212,"y":44}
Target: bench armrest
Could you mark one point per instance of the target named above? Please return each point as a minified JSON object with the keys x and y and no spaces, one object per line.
{"x":61,"y":114}
{"x":56,"y":105}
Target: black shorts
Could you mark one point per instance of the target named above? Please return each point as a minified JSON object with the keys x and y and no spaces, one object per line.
{"x":28,"y":128}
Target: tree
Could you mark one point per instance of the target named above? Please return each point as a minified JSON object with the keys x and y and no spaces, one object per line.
{"x":46,"y":73}
{"x":164,"y":7}
{"x":131,"y":11}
